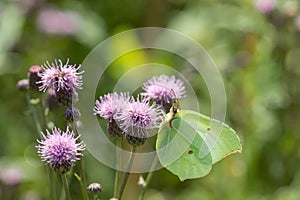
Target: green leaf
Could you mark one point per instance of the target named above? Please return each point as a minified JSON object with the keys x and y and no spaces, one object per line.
{"x":191,"y":143}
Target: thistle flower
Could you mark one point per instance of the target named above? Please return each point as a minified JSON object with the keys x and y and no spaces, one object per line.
{"x":163,"y":89}
{"x":54,"y":21}
{"x":265,"y":6}
{"x":108,"y":106}
{"x":59,"y":76}
{"x":138,"y":119}
{"x":60,"y":150}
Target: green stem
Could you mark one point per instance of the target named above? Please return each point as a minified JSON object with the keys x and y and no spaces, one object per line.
{"x":43,"y":113}
{"x":52,"y":185}
{"x":81,"y":169}
{"x":34,"y":115}
{"x":126,"y":175}
{"x":148,"y":179}
{"x":117,"y":175}
{"x":65,"y":185}
{"x":39,"y":129}
{"x":82,"y":183}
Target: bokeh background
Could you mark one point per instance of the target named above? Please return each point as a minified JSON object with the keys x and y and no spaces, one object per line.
{"x":255,"y":44}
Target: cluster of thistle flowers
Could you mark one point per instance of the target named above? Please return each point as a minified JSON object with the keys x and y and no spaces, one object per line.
{"x":137,"y":118}
{"x":57,"y":148}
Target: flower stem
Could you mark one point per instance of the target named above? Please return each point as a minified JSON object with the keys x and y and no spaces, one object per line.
{"x":52,"y":185}
{"x":148,"y":179}
{"x":126,"y":175}
{"x":81,"y":169}
{"x":43,"y":113}
{"x":39,"y":129}
{"x":117,"y":175}
{"x":34,"y":114}
{"x":65,"y":185}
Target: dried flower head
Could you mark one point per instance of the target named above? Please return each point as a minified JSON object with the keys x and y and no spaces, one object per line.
{"x":138,"y":119}
{"x":59,"y":149}
{"x":163,"y":89}
{"x":59,"y":76}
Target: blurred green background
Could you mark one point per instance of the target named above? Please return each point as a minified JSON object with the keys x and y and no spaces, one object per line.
{"x":256,"y":45}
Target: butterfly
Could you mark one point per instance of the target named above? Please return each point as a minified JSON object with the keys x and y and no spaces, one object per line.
{"x":173,"y":110}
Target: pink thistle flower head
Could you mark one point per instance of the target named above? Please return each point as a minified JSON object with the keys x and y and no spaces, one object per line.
{"x":59,"y":76}
{"x":110,"y":104}
{"x":163,"y":89}
{"x":138,"y":119}
{"x":59,"y":22}
{"x":265,"y":6}
{"x":59,"y":149}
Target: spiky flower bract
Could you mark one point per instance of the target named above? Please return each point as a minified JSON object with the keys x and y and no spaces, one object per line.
{"x":163,"y":89}
{"x":138,"y":119}
{"x":59,"y":76}
{"x":59,"y":149}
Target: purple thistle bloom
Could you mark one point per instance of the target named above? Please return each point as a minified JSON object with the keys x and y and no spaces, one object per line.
{"x":163,"y":89}
{"x":60,"y":149}
{"x":59,"y":76}
{"x":138,"y":118}
{"x":110,"y":104}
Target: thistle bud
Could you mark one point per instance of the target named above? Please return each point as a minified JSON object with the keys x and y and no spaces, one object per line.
{"x":72,"y":114}
{"x":34,"y":77}
{"x":94,"y":188}
{"x":23,"y":85}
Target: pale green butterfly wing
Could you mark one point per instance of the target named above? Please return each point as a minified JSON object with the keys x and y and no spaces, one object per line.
{"x":194,"y":143}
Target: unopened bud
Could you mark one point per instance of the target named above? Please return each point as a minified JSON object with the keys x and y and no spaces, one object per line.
{"x":34,"y":77}
{"x":23,"y":85}
{"x":72,"y":114}
{"x":94,"y":188}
